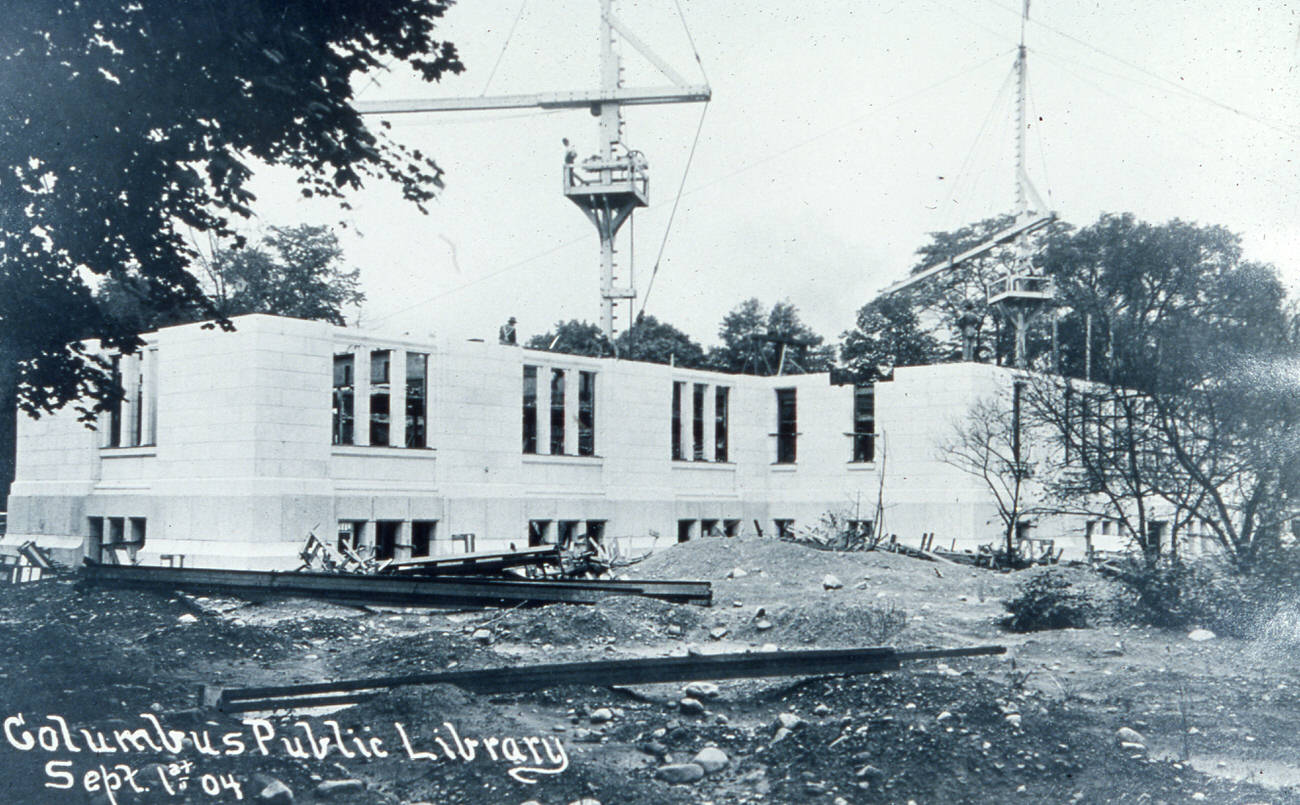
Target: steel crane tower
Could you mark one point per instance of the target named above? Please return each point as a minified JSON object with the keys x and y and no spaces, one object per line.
{"x":613,"y":182}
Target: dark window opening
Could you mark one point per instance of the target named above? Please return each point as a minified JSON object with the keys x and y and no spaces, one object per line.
{"x":137,"y":407}
{"x":720,"y":423}
{"x":784,"y":528}
{"x":678,"y":390}
{"x":350,"y":532}
{"x":861,"y":528}
{"x":586,"y":413}
{"x":786,"y":430}
{"x":697,"y":421}
{"x":386,"y":539}
{"x":596,"y":532}
{"x":539,"y":533}
{"x":115,"y":412}
{"x":422,"y":534}
{"x":95,"y":549}
{"x":709,"y":528}
{"x":417,"y":393}
{"x":557,"y":412}
{"x":685,"y":530}
{"x":343,"y":399}
{"x":137,"y":531}
{"x":864,"y":423}
{"x":379,"y":397}
{"x":530,"y":409}
{"x":566,"y":532}
{"x":731,"y":528}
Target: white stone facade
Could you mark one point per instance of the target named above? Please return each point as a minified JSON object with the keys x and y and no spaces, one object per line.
{"x":224,"y":453}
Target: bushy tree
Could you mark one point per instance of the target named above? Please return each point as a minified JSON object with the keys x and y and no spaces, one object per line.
{"x":753,"y":340}
{"x":572,"y":337}
{"x":659,"y":342}
{"x":128,"y":123}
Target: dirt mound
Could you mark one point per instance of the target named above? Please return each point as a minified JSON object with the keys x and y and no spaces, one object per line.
{"x":622,"y":618}
{"x":716,"y":557}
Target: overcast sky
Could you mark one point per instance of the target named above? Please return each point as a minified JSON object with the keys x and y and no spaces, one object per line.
{"x":840,"y":134}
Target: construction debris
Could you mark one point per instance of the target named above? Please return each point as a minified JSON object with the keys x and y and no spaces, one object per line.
{"x":29,"y":564}
{"x":816,"y":662}
{"x":393,"y":589}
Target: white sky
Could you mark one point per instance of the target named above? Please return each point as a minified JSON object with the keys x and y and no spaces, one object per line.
{"x":840,"y":134}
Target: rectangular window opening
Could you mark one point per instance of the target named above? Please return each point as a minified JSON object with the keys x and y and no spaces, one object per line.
{"x":344,"y":366}
{"x":115,"y":412}
{"x":566,"y":533}
{"x":462,"y":543}
{"x":350,"y":533}
{"x":709,"y":528}
{"x":586,"y":413}
{"x":539,"y":533}
{"x":417,"y":395}
{"x":786,"y":426}
{"x":422,"y":537}
{"x":697,"y":421}
{"x":530,"y":409}
{"x":720,"y":403}
{"x":596,"y":532}
{"x":731,"y":528}
{"x":386,"y":539}
{"x":685,"y":530}
{"x":557,"y":412}
{"x":864,"y":423}
{"x":380,"y":397}
{"x":678,"y":390}
{"x":784,"y":528}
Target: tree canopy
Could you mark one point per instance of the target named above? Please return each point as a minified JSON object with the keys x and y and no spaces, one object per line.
{"x":753,"y":339}
{"x":129,"y":124}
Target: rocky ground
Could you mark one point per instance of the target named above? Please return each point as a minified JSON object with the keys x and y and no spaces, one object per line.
{"x":1073,"y":716}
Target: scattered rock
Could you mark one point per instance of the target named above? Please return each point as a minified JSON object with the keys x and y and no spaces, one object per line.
{"x":1200,"y":635}
{"x":187,"y":618}
{"x":822,"y":710}
{"x":1129,"y":735}
{"x":674,"y":630}
{"x":718,"y":632}
{"x":702,"y":690}
{"x":711,"y":759}
{"x":482,"y":635}
{"x":653,"y":748}
{"x":585,"y":801}
{"x":781,"y":734}
{"x":769,"y":647}
{"x":1013,"y":719}
{"x":329,"y":788}
{"x":831,"y":582}
{"x":691,"y":707}
{"x":680,"y":773}
{"x":762,"y":624}
{"x":737,"y":573}
{"x":601,"y":715}
{"x":869,"y":772}
{"x":788,"y":720}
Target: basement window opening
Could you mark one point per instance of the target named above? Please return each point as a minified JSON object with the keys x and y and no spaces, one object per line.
{"x":566,"y":532}
{"x":350,"y":534}
{"x":115,"y":413}
{"x":685,"y":530}
{"x":709,"y":528}
{"x":422,"y":536}
{"x":386,"y":539}
{"x":539,"y":533}
{"x":784,"y":528}
{"x":731,"y":528}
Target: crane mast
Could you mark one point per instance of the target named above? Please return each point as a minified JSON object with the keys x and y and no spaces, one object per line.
{"x":613,"y":182}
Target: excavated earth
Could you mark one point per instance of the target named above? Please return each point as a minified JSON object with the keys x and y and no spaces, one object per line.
{"x":1219,"y":719}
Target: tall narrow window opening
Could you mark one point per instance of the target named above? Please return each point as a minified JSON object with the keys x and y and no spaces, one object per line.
{"x":380,"y":396}
{"x":422,"y":534}
{"x":864,"y":423}
{"x":678,"y":390}
{"x":386,"y":539}
{"x":115,"y":412}
{"x":137,"y":407}
{"x":697,"y":421}
{"x":586,"y":413}
{"x":557,"y":412}
{"x":720,"y":402}
{"x":786,"y":430}
{"x":343,"y":398}
{"x":417,"y":395}
{"x":530,"y":409}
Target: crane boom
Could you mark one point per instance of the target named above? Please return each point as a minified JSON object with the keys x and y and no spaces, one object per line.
{"x":579,"y":99}
{"x":1021,"y":227}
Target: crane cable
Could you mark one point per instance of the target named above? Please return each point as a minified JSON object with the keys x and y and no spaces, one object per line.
{"x":509,"y":35}
{"x":690,"y":157}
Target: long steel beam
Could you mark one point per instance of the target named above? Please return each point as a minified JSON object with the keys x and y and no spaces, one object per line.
{"x":750,"y":665}
{"x":402,"y":590}
{"x":579,"y":99}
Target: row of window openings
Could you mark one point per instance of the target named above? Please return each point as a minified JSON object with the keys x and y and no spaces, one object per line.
{"x":565,"y":533}
{"x":109,"y":534}
{"x":721,"y":421}
{"x":557,"y":418}
{"x":863,"y":436}
{"x":133,"y":419}
{"x":414,"y":400}
{"x":353,"y":536}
